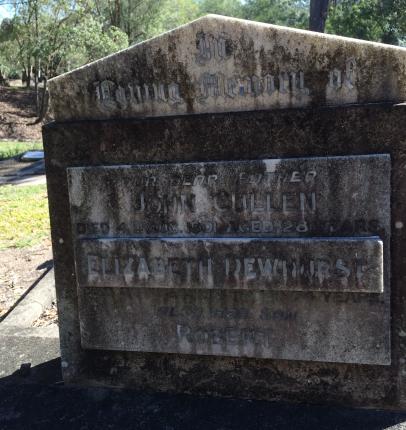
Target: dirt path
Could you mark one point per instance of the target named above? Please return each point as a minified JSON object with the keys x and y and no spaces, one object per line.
{"x":19,"y":268}
{"x":17,"y":110}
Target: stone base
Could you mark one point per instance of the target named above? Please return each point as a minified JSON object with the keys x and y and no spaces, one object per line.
{"x":356,"y":130}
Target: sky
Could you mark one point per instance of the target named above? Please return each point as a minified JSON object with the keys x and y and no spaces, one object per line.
{"x":5,"y":12}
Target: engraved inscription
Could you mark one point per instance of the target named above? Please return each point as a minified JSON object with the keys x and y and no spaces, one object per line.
{"x":212,"y":49}
{"x":217,"y":84}
{"x":112,"y":95}
{"x":337,"y":78}
{"x":274,"y":258}
{"x":280,"y":264}
{"x":248,"y":198}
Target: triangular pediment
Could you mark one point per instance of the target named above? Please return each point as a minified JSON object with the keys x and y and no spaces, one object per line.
{"x":220,"y":64}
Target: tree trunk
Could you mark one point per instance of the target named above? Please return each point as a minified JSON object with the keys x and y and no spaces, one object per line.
{"x":390,"y":37}
{"x":116,"y":13}
{"x":2,"y":79}
{"x":129,"y":22}
{"x":43,"y":104}
{"x":36,"y":86}
{"x":28,"y":83}
{"x":318,"y":15}
{"x":36,"y":60}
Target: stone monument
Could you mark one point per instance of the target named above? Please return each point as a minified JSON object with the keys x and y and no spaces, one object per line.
{"x":227,"y":208}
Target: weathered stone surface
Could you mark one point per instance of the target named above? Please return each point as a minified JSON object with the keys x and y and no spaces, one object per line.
{"x":344,"y":327}
{"x":326,"y":196}
{"x":219,"y":64}
{"x":336,"y":264}
{"x":256,"y":135}
{"x":317,"y":198}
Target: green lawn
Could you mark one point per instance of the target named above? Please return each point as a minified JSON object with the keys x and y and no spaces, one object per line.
{"x":12,"y":148}
{"x":24,"y":219}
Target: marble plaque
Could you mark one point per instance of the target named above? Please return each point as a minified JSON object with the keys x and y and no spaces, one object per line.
{"x":312,"y":264}
{"x":329,"y":196}
{"x":180,"y":257}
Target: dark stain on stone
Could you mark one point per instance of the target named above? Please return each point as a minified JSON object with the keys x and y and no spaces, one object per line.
{"x":186,"y":86}
{"x":230,"y":47}
{"x":172,"y":47}
{"x":160,"y":65}
{"x":245,"y":56}
{"x":379,"y":128}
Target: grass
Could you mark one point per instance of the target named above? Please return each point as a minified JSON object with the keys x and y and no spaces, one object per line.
{"x":12,"y":148}
{"x":24,"y":218}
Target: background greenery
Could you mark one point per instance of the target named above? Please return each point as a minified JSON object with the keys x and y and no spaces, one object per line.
{"x":24,"y":218}
{"x":44,"y":38}
{"x":12,"y":148}
{"x":54,"y":36}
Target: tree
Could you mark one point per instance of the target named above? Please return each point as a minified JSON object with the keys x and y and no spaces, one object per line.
{"x":221,"y":7}
{"x":51,"y":36}
{"x":318,"y":15}
{"x":137,"y":18}
{"x":174,"y":13}
{"x":293,"y":13}
{"x":88,"y":41}
{"x":8,"y":60}
{"x":377,"y":20}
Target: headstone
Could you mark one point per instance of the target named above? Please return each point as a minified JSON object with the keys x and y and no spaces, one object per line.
{"x":219,"y":64}
{"x":254,"y":253}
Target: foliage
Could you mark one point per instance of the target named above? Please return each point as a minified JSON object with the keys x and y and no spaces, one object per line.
{"x":89,"y":41}
{"x":55,"y":36}
{"x":10,"y":149}
{"x":173,"y":13}
{"x":24,"y":219}
{"x":138,"y":19}
{"x":49,"y":35}
{"x":221,"y":7}
{"x":376,"y":20}
{"x":9,"y":61}
{"x":292,"y":13}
